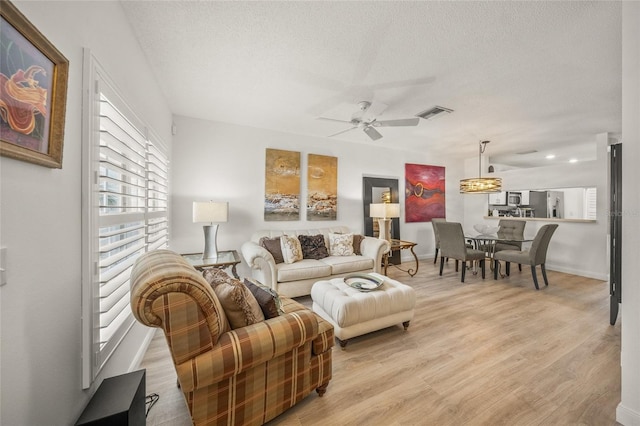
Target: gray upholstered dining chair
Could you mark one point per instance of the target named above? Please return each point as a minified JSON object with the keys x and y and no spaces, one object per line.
{"x":536,"y":255}
{"x":453,"y":245}
{"x":510,"y":229}
{"x":436,"y":236}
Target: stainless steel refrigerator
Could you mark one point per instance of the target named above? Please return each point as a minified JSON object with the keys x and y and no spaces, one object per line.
{"x":547,"y":203}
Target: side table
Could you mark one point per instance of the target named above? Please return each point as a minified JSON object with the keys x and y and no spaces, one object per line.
{"x":397,"y":245}
{"x":225,"y":259}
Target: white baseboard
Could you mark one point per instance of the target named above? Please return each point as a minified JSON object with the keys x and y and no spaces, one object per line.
{"x":627,"y":416}
{"x":579,"y":272}
{"x":137,"y":360}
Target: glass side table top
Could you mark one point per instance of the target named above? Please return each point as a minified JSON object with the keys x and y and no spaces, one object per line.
{"x":225,"y":258}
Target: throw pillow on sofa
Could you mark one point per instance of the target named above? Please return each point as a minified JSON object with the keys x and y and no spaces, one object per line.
{"x":267,"y":298}
{"x":272,"y":245}
{"x":240,"y":306}
{"x":313,"y":246}
{"x":340,"y":244}
{"x":291,"y":249}
{"x":357,"y":240}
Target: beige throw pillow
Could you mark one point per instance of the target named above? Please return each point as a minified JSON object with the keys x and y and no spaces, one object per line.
{"x":340,"y":244}
{"x":291,"y":249}
{"x":240,"y":306}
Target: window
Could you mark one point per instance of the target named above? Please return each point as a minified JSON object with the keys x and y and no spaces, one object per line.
{"x":125,"y":191}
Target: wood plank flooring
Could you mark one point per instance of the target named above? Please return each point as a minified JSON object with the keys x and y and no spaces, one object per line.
{"x":482,"y":352}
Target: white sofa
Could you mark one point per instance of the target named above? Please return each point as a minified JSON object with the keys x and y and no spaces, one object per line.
{"x":296,"y":279}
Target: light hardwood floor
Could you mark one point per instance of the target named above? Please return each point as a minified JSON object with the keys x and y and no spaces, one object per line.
{"x":482,"y":352}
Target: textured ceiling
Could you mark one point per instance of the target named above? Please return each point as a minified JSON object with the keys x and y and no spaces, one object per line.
{"x":521,"y":74}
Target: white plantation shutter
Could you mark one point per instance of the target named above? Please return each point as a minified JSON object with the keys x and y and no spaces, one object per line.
{"x":127,"y":179}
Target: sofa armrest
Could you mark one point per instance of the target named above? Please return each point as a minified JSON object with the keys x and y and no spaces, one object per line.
{"x":374,"y":248}
{"x":243,"y":348}
{"x":262,"y":264}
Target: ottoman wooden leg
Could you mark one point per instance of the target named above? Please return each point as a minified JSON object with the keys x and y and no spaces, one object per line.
{"x":343,"y":343}
{"x":406,"y":324}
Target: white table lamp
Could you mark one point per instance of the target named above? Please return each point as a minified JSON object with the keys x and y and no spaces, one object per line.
{"x":210,"y":212}
{"x":384,"y":212}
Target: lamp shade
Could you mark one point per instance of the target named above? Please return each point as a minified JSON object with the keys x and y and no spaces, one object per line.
{"x":210,"y":212}
{"x":384,"y":210}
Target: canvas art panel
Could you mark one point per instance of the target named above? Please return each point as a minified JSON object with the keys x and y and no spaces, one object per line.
{"x":322,"y":187}
{"x":424,"y":192}
{"x":33,"y":85}
{"x":282,"y":185}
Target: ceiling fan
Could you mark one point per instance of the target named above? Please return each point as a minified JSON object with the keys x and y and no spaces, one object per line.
{"x":365,"y":119}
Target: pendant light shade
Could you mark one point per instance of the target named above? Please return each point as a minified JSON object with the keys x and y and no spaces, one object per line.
{"x":480,"y":185}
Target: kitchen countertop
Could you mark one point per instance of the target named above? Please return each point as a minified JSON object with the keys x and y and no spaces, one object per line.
{"x":542,"y":219}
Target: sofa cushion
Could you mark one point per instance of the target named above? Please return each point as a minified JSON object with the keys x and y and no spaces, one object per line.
{"x":340,"y":244}
{"x":239,"y":305}
{"x":272,"y":245}
{"x":313,"y":246}
{"x":344,"y":264}
{"x":267,"y":298}
{"x":291,"y":249}
{"x":302,"y":270}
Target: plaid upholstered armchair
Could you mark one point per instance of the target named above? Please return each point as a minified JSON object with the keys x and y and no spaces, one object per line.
{"x":247,"y":375}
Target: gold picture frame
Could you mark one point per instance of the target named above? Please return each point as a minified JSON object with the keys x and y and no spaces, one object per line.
{"x":33,"y":91}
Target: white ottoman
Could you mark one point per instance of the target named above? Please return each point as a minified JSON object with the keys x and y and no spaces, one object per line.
{"x":354,"y":313}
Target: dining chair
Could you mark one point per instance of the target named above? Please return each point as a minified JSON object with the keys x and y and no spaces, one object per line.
{"x":436,"y":236}
{"x":510,"y":229}
{"x":454,"y":246}
{"x":536,"y":255}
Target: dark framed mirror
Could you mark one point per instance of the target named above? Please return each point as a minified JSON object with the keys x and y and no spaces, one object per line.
{"x":380,"y":190}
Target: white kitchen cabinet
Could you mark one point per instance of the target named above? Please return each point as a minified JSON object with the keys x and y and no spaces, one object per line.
{"x":498,"y":198}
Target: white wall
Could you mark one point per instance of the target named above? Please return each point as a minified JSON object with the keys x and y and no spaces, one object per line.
{"x":226,"y":162}
{"x":576,"y":248}
{"x":628,"y":412}
{"x":40,"y":225}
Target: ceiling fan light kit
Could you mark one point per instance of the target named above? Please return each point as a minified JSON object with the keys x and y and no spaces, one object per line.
{"x":480,"y":185}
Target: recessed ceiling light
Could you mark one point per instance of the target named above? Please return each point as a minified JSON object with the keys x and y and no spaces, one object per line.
{"x":573,"y":160}
{"x":550,"y":156}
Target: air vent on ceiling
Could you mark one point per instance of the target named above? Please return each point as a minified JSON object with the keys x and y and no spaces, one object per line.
{"x":527,"y":152}
{"x":433,"y":112}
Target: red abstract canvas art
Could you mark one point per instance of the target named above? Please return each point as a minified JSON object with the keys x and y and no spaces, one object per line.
{"x":424,"y":192}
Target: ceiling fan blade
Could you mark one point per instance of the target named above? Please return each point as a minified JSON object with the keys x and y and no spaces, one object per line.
{"x":341,"y":132}
{"x":372,"y":133}
{"x":401,"y":122}
{"x":334,"y":119}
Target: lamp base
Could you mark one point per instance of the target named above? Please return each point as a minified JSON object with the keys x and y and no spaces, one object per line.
{"x":384,"y":229}
{"x":210,"y":241}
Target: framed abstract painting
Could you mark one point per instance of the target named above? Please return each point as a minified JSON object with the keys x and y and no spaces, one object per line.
{"x":424,"y":192}
{"x":282,"y":185}
{"x":33,"y":91}
{"x":322,"y":187}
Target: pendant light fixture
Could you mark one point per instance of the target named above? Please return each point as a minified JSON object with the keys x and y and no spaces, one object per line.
{"x":480,"y":185}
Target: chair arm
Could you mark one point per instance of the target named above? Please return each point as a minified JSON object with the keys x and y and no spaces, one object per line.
{"x":374,"y":248}
{"x":244,"y":348}
{"x":262,"y":264}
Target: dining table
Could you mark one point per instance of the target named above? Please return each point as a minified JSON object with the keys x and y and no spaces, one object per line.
{"x":487,"y":243}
